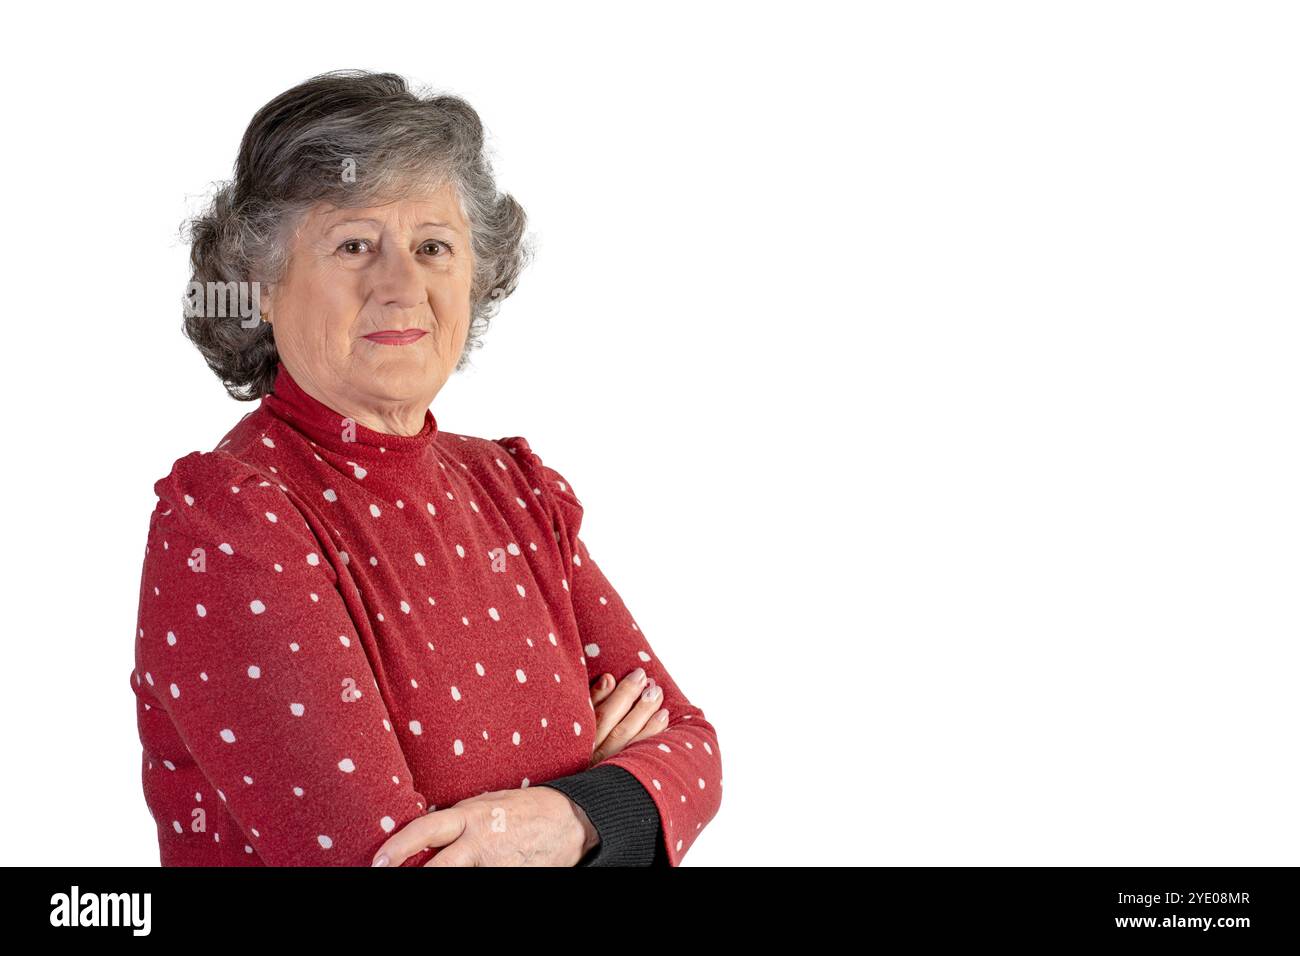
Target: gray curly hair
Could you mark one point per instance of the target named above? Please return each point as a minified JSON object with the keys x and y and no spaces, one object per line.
{"x":290,"y":159}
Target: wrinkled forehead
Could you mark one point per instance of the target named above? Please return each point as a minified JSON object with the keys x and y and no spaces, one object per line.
{"x":422,"y":206}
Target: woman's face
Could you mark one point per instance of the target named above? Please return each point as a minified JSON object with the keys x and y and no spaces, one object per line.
{"x":356,"y":280}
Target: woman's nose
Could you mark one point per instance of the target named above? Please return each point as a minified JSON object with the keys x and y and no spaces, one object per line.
{"x":398,"y":280}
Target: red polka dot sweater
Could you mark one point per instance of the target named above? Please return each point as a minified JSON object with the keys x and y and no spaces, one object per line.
{"x":341,"y":629}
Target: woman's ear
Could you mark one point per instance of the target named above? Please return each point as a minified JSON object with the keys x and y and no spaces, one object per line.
{"x":264,"y":291}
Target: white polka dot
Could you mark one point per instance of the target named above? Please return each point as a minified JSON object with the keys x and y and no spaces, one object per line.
{"x":254,"y":671}
{"x":270,"y":516}
{"x":374,"y":510}
{"x":257,"y":607}
{"x":458,"y":747}
{"x":313,"y":559}
{"x":387,"y":824}
{"x":455,"y":692}
{"x":415,"y":727}
{"x":519,"y":675}
{"x":228,"y":735}
{"x":346,"y":765}
{"x":200,"y":610}
{"x":176,"y":691}
{"x":592,"y":650}
{"x":419,"y":559}
{"x":225,"y":548}
{"x":296,"y":709}
{"x":267,"y":442}
{"x":171,"y":638}
{"x":577,"y":729}
{"x":492,"y":613}
{"x":515,"y":738}
{"x":324,"y":841}
{"x":330,"y":494}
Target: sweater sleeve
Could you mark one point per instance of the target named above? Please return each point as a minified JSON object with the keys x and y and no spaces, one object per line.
{"x":254,"y":683}
{"x":680,"y":767}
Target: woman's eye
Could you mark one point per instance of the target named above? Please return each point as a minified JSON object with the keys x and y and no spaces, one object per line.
{"x":435,"y":244}
{"x":354,"y":246}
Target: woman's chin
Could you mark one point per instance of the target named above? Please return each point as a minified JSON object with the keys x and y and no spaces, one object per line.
{"x":400,"y":377}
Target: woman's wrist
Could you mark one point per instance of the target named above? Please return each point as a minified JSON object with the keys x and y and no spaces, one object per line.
{"x":585,"y":835}
{"x":590,"y":835}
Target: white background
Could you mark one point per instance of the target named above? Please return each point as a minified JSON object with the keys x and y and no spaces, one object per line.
{"x":927,"y":371}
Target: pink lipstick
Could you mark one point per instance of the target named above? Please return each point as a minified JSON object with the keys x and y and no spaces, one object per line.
{"x":396,"y":336}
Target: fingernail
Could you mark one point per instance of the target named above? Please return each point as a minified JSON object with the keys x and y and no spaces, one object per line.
{"x":381,"y":860}
{"x":638,"y":674}
{"x":662,"y":715}
{"x":650,"y":693}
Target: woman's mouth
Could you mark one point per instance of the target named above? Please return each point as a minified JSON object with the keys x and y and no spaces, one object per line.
{"x":396,"y":336}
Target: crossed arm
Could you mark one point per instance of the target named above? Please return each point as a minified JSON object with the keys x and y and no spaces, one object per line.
{"x":289,"y":730}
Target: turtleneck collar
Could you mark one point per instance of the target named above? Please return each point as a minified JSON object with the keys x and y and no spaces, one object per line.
{"x":338,"y":433}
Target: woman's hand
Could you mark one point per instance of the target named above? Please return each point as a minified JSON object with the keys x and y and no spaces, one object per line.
{"x":624,"y":713}
{"x":535,"y":826}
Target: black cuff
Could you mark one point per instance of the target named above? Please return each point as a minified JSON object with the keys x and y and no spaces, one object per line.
{"x":623,"y":813}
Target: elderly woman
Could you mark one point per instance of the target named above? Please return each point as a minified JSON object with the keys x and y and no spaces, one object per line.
{"x":363,"y":639}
